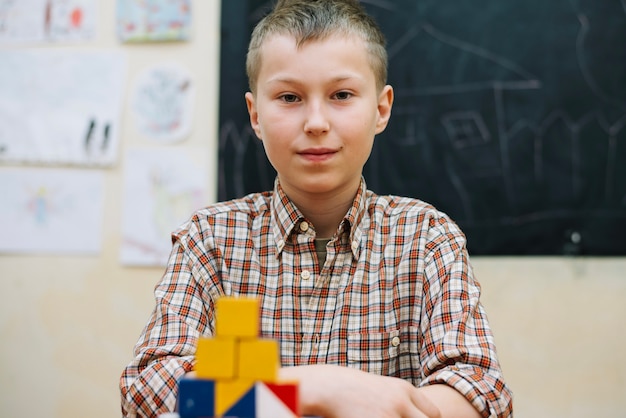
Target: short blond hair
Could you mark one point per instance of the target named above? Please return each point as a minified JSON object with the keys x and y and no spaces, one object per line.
{"x":310,"y":20}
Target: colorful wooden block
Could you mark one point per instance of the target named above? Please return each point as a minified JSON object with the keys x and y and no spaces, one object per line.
{"x":261,"y":401}
{"x":229,"y":392}
{"x":196,"y":398}
{"x":236,"y":371}
{"x":245,"y":406}
{"x":268,"y":405}
{"x":237,"y":317}
{"x":259,"y":359}
{"x":287,"y":392}
{"x":216,"y":358}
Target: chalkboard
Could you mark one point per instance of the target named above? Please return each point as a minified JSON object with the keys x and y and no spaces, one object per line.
{"x":510,"y":116}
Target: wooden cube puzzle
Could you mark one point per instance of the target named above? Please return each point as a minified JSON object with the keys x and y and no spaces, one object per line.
{"x":236,"y":371}
{"x":217,"y":358}
{"x":237,"y":317}
{"x":259,"y":359}
{"x":203,"y":398}
{"x":231,"y":392}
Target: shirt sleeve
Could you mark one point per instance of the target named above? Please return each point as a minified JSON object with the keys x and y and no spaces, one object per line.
{"x":165,"y":350}
{"x":458,"y":347}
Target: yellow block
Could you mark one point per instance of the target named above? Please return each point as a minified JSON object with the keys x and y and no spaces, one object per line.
{"x":216,"y":358}
{"x":259,"y":359}
{"x":228,"y":392}
{"x":237,"y":317}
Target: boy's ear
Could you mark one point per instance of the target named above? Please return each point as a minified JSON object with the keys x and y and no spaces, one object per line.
{"x":385,"y":102}
{"x":254,"y":115}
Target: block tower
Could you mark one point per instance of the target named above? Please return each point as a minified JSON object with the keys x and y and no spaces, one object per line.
{"x":236,"y":371}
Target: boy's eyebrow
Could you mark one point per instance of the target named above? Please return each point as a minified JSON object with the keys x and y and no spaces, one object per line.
{"x":293,"y":80}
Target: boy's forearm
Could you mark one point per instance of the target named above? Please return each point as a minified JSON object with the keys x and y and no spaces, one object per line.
{"x":334,"y":391}
{"x":143,"y":391}
{"x":308,"y":377}
{"x":449,"y":401}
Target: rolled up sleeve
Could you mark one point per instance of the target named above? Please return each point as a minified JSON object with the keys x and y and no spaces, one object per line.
{"x":458,"y":347}
{"x":166,"y":347}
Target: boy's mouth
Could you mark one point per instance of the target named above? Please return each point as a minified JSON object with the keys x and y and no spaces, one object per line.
{"x":317,"y":154}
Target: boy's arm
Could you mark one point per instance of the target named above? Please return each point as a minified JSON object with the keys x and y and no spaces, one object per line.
{"x":148,"y":384}
{"x":449,"y":402}
{"x":458,"y":347}
{"x":341,"y":392}
{"x":165,"y":350}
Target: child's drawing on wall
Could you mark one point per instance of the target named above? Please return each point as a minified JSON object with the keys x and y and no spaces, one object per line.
{"x":163,"y":103}
{"x":51,"y":211}
{"x":162,"y":187}
{"x":153,"y":20}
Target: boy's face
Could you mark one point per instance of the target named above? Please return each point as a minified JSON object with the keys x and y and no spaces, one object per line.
{"x":317,"y":109}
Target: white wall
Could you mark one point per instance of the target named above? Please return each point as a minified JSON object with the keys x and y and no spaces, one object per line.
{"x":68,"y":324}
{"x":560,"y":325}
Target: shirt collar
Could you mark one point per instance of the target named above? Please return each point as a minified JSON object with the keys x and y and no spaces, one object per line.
{"x":285,"y":217}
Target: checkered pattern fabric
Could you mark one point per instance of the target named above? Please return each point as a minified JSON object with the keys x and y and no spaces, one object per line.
{"x":396,"y":296}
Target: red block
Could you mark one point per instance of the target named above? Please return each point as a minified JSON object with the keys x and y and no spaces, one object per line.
{"x":287,"y":392}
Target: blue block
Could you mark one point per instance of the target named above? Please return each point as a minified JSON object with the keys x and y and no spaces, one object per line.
{"x":245,"y":407}
{"x":196,"y":398}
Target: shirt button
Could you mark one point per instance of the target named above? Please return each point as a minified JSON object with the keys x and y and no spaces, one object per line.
{"x":355,"y":245}
{"x":306,"y":275}
{"x":281,"y":243}
{"x":395,"y":341}
{"x":304,"y":226}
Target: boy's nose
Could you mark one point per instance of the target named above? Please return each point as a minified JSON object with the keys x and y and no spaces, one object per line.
{"x":316,"y":121}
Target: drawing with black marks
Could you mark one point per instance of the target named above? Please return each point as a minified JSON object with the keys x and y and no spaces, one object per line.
{"x":510,"y":117}
{"x":60,"y":107}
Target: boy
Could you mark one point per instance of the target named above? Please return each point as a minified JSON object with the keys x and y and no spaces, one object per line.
{"x":372,"y":298}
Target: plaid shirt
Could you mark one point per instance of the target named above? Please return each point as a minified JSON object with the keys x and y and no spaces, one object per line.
{"x":396,"y":296}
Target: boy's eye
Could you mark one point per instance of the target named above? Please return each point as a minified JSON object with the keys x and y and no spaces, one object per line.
{"x":343,"y":95}
{"x":289,"y":98}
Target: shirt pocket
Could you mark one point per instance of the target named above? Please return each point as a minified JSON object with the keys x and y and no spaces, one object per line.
{"x":389,"y":353}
